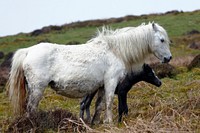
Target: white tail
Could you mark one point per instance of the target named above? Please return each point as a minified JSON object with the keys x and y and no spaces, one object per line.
{"x":16,"y":83}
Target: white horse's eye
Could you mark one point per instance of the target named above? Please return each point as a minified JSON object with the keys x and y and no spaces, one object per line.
{"x":162,"y":40}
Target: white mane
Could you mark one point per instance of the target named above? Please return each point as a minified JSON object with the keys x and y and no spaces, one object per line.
{"x":131,"y":44}
{"x":127,"y":44}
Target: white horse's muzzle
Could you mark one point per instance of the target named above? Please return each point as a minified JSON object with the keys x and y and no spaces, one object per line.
{"x":166,"y":59}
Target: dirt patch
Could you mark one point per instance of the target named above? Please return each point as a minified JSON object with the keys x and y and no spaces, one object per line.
{"x":58,"y":120}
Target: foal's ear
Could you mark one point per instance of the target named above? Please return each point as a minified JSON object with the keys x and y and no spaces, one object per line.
{"x":146,"y":67}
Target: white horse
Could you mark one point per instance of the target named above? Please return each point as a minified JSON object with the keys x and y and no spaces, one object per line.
{"x":77,"y":70}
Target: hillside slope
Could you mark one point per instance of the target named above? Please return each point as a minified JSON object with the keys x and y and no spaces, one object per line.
{"x":176,"y":23}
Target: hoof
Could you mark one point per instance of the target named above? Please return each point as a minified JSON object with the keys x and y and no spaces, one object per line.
{"x":108,"y":121}
{"x":96,"y":122}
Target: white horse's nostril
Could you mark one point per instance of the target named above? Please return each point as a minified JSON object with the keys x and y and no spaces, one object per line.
{"x":166,"y":60}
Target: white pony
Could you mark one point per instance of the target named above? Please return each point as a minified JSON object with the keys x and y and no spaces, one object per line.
{"x":77,"y":70}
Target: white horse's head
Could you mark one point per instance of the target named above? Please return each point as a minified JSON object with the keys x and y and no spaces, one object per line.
{"x":160,"y":44}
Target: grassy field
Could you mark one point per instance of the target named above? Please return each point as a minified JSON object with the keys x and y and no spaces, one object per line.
{"x":173,"y":107}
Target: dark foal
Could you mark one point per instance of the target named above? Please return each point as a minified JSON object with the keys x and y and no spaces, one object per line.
{"x":147,"y":75}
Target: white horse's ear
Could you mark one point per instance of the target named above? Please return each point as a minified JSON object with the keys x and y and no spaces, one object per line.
{"x":154,"y":27}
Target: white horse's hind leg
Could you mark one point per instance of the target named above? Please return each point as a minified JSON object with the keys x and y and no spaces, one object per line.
{"x":34,"y":97}
{"x":37,"y":81}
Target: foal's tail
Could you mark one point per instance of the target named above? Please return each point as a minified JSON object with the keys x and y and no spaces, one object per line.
{"x":16,"y":83}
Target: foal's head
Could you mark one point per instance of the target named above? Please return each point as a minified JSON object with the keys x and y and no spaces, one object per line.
{"x":148,"y":75}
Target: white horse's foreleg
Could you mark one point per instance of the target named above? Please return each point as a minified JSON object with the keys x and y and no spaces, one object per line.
{"x":109,"y":95}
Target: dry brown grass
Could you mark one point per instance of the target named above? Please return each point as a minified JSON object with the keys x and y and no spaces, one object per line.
{"x":165,"y":119}
{"x":162,"y":115}
{"x":183,"y":61}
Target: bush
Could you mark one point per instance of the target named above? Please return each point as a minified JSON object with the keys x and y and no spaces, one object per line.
{"x":58,"y":120}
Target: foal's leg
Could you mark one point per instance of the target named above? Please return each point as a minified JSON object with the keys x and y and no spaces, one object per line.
{"x":125,"y":105}
{"x":82,"y":106}
{"x":122,"y":104}
{"x":122,"y":101}
{"x":85,"y":105}
{"x":120,"y":98}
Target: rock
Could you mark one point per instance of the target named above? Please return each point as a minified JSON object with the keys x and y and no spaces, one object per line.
{"x":195,"y":45}
{"x":46,"y":30}
{"x":7,"y":61}
{"x":1,"y":55}
{"x":4,"y":74}
{"x":174,"y":12}
{"x":36,"y":32}
{"x":192,"y":32}
{"x":164,"y":70}
{"x":4,"y":70}
{"x":195,"y":62}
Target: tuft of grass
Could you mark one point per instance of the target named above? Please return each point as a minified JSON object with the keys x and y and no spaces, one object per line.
{"x":52,"y":101}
